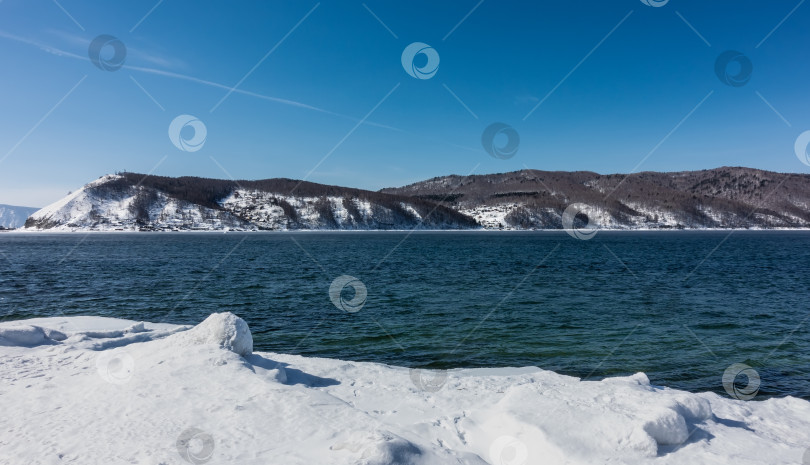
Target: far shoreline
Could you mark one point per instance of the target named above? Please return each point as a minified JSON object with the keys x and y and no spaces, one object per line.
{"x":411,"y":231}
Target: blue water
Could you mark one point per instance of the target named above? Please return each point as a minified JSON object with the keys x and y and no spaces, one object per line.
{"x":680,"y":306}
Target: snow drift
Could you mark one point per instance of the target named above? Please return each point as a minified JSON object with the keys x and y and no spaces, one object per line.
{"x":29,"y":336}
{"x":100,"y":390}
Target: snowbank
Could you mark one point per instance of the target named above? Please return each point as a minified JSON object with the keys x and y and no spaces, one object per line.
{"x":99,"y":390}
{"x":28,"y":336}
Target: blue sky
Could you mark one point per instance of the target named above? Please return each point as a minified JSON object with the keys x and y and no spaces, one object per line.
{"x":621,"y":86}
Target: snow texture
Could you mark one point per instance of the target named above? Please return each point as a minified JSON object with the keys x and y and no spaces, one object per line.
{"x":90,"y":390}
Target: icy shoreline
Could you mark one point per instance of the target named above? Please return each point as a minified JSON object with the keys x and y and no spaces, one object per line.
{"x":100,"y":390}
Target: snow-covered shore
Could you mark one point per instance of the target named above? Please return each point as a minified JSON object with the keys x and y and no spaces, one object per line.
{"x":90,"y":390}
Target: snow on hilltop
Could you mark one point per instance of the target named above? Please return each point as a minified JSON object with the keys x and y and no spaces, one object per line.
{"x":94,"y":390}
{"x":99,"y":206}
{"x":132,"y":202}
{"x":527,"y":199}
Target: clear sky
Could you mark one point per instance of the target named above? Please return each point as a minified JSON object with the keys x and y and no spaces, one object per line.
{"x":321,"y":91}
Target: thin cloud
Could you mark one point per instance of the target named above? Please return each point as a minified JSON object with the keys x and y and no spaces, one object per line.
{"x":172,"y":75}
{"x":41,"y":46}
{"x":83,"y":42}
{"x":59,"y":52}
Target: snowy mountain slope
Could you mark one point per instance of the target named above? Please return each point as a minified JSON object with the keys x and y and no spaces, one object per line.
{"x":97,"y":206}
{"x":718,"y":198}
{"x":132,"y":202}
{"x":269,"y":211}
{"x":13,"y":217}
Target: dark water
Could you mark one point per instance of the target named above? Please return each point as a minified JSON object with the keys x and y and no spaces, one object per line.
{"x":679,"y":306}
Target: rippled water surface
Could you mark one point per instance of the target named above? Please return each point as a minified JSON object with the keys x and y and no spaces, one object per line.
{"x":680,"y":306}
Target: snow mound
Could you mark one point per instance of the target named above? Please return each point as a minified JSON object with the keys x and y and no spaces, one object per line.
{"x":29,"y":336}
{"x":388,"y":449}
{"x":383,"y":447}
{"x":223,"y":329}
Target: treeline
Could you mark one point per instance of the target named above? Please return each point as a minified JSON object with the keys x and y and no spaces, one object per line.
{"x":200,"y":191}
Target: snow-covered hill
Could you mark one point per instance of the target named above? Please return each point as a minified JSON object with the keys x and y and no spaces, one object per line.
{"x":95,"y":207}
{"x":13,"y":217}
{"x":727,"y":197}
{"x":528,"y":199}
{"x":131,"y":202}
